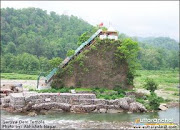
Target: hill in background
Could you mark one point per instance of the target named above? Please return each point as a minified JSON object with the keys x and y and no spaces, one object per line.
{"x":33,"y":41}
{"x":160,"y":42}
{"x":33,"y":31}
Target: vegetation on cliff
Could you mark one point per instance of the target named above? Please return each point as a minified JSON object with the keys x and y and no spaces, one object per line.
{"x":106,"y":63}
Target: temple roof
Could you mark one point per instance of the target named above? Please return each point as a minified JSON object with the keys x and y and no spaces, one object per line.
{"x":111,"y":29}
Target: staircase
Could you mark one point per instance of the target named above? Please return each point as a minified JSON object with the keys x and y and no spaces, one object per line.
{"x":47,"y":79}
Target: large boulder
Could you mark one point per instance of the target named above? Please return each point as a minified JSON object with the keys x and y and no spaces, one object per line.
{"x":12,"y":87}
{"x":123,"y":104}
{"x":129,"y":100}
{"x":83,"y":108}
{"x":28,"y":107}
{"x":163,"y":107}
{"x":136,"y":107}
{"x":6,"y":102}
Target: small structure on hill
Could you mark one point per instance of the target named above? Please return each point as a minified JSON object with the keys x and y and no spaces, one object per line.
{"x":95,"y":75}
{"x":111,"y":33}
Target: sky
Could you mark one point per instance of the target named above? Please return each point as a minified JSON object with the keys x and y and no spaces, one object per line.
{"x":134,"y":18}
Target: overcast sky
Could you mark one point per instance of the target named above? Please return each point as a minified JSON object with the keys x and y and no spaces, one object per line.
{"x":134,"y":18}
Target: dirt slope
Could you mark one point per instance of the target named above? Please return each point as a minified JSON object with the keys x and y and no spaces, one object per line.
{"x":96,"y":66}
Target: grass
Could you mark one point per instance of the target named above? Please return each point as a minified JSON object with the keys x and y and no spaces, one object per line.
{"x":167,"y":80}
{"x":18,"y":76}
{"x":29,"y":87}
{"x":83,"y":89}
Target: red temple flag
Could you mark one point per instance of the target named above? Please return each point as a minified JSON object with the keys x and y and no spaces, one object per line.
{"x":101,"y":24}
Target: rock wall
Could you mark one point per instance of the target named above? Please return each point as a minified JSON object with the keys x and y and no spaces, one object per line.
{"x":69,"y":102}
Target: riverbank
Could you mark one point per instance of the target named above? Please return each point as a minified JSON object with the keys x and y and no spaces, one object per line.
{"x":92,"y":120}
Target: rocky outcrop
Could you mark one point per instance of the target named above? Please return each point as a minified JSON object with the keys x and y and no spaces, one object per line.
{"x":28,"y":107}
{"x":83,"y":108}
{"x":129,"y":100}
{"x":11,"y":88}
{"x":122,"y":103}
{"x":110,"y":106}
{"x":77,"y":103}
{"x":6,"y":102}
{"x":47,"y":106}
{"x":136,"y":107}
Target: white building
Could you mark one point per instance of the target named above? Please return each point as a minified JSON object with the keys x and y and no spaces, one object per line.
{"x":111,"y":33}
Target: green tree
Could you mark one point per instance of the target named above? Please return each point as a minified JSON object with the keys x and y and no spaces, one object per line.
{"x":27,"y":63}
{"x":158,"y":53}
{"x":36,"y":32}
{"x":70,"y":53}
{"x":127,"y":51}
{"x":151,"y":85}
{"x":9,"y":62}
{"x":44,"y":64}
{"x":84,"y":37}
{"x":154,"y":101}
{"x":173,"y":59}
{"x":122,"y":36}
{"x":11,"y":48}
{"x":3,"y":65}
{"x":54,"y":62}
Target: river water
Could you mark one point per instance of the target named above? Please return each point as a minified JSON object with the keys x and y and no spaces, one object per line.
{"x":92,"y":120}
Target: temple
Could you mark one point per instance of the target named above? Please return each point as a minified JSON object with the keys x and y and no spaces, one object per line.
{"x":111,"y":33}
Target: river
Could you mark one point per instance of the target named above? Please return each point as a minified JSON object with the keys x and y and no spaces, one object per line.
{"x":92,"y":120}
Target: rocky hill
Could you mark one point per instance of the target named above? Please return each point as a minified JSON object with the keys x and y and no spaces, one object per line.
{"x":97,"y":66}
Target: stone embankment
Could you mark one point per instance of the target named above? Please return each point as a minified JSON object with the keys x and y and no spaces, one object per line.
{"x":68,"y":102}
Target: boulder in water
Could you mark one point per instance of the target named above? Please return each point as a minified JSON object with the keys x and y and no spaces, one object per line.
{"x":136,"y":107}
{"x":163,"y":107}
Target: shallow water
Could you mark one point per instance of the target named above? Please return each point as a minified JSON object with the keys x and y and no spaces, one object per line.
{"x":93,"y":120}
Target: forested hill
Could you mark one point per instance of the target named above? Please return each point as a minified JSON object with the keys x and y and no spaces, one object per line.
{"x":34,"y":41}
{"x":33,"y":31}
{"x":160,"y":42}
{"x":158,"y":53}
